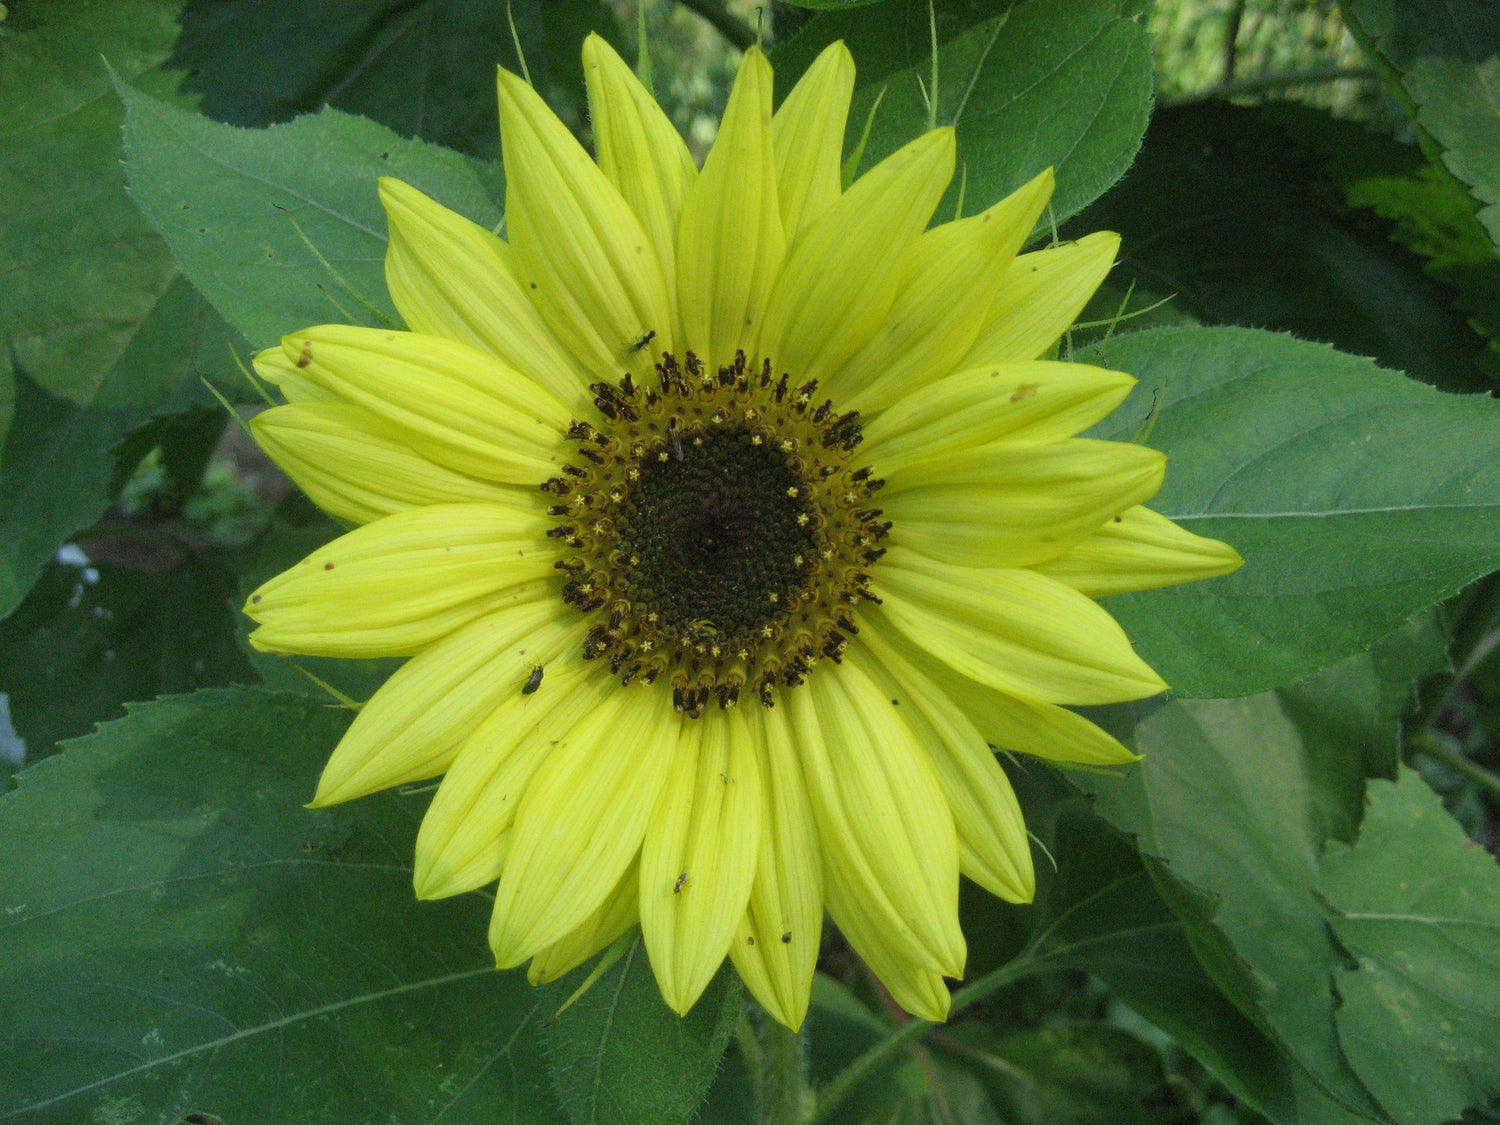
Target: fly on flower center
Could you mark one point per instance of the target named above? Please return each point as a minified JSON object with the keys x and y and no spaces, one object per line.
{"x":721,"y":535}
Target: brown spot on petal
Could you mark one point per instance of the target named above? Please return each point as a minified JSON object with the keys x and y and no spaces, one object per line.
{"x":1025,"y":390}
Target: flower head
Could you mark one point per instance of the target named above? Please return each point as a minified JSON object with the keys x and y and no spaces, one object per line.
{"x":727,"y":517}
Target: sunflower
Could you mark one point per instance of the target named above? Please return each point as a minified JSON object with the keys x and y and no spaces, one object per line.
{"x":727,"y":518}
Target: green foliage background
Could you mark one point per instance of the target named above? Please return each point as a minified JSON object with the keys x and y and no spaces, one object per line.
{"x":1278,"y":917}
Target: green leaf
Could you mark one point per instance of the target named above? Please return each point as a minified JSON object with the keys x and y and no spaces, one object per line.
{"x":1348,"y":716}
{"x":181,"y":936}
{"x":92,"y":308}
{"x":234,"y":206}
{"x":620,"y":1056}
{"x":423,"y":69}
{"x":88,"y":640}
{"x":54,"y":480}
{"x":1240,"y":220}
{"x":1101,"y":913}
{"x":1223,"y":800}
{"x":1067,"y":1074}
{"x":1418,"y":904}
{"x":1448,"y":61}
{"x":80,"y":269}
{"x":1028,"y":85}
{"x":1303,"y":459}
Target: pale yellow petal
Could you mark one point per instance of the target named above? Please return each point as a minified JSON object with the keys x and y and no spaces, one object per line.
{"x":913,"y":985}
{"x":413,"y":726}
{"x":639,"y":149}
{"x":1012,"y":629}
{"x":1009,"y":504}
{"x":730,"y":243}
{"x":451,"y":277}
{"x":395,"y":586}
{"x":1042,"y":294}
{"x":354,"y":465}
{"x":841,"y":278}
{"x":276,"y":368}
{"x":1140,"y":550}
{"x":616,"y":914}
{"x":466,"y":833}
{"x":1009,"y":722}
{"x":808,"y":134}
{"x":450,"y":402}
{"x":1034,"y":402}
{"x":699,"y":856}
{"x":581,"y":821}
{"x":776,"y":947}
{"x":581,"y":253}
{"x":994,"y":850}
{"x":950,"y":279}
{"x":882,"y":819}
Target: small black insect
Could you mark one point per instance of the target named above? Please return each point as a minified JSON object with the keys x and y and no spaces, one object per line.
{"x":640,"y":344}
{"x":533,"y":681}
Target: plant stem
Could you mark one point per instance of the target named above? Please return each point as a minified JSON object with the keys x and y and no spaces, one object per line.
{"x":725,"y":22}
{"x":1434,"y":745}
{"x":782,"y":1093}
{"x":881,"y":1053}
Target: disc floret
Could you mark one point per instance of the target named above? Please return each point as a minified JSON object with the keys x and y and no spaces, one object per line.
{"x":719,"y":532}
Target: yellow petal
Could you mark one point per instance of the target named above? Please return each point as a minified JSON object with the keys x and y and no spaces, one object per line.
{"x":450,"y":402}
{"x":355,"y":466}
{"x":274,"y":367}
{"x":450,"y":277}
{"x":730,"y":243}
{"x":808,"y":135}
{"x":1140,"y":550}
{"x":1012,"y":629}
{"x":581,"y":821}
{"x":917,"y":988}
{"x":841,"y":278}
{"x":1034,"y":402}
{"x":581,"y":253}
{"x":1014,"y":505}
{"x":413,"y":726}
{"x":640,"y":151}
{"x":882,"y":819}
{"x":395,"y":586}
{"x":1042,"y":294}
{"x":950,"y":280}
{"x":616,"y":914}
{"x":994,"y":850}
{"x":1009,"y":722}
{"x":699,"y":856}
{"x":776,"y":947}
{"x":466,"y":833}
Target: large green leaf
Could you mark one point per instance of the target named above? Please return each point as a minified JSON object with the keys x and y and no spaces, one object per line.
{"x":1101,"y":913}
{"x":1232,"y":807}
{"x":620,"y":1056}
{"x":1448,"y":61}
{"x":1306,"y":460}
{"x":235,"y":206}
{"x":1419,"y":905}
{"x":55,"y":477}
{"x":80,"y":269}
{"x":92,"y":308}
{"x":179,"y":935}
{"x":1241,"y":221}
{"x":89,"y":639}
{"x":424,"y":69}
{"x":1028,"y":85}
